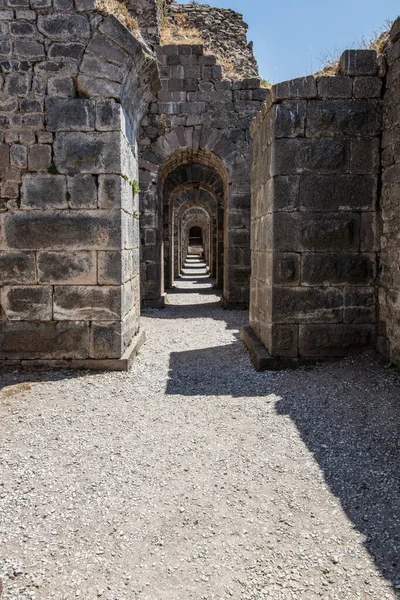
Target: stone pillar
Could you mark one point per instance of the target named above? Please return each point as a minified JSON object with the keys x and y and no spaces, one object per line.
{"x":69,"y":229}
{"x":314,"y":224}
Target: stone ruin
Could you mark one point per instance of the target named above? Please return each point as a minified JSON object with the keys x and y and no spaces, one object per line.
{"x":114,"y":145}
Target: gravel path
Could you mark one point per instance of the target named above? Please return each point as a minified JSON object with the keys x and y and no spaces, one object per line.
{"x":194,"y":477}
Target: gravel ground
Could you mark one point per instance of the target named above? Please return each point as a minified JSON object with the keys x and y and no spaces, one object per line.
{"x":194,"y":477}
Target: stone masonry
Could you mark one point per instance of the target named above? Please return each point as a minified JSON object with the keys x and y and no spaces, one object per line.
{"x":91,"y":119}
{"x":314,"y":211}
{"x":223,"y":32}
{"x":69,"y":235}
{"x":198,"y":118}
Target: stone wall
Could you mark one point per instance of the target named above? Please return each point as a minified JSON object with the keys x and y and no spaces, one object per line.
{"x":69,"y":235}
{"x":315,"y":175}
{"x":389,"y":322}
{"x":147,"y":14}
{"x":223,"y":31}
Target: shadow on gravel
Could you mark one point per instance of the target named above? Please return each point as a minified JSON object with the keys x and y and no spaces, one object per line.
{"x":353,"y":430}
{"x":16,"y":380}
{"x":211,"y":372}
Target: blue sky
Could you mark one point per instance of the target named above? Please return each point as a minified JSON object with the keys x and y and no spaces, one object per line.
{"x":292,"y":36}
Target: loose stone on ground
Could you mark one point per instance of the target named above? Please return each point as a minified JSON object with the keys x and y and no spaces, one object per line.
{"x":193,"y":476}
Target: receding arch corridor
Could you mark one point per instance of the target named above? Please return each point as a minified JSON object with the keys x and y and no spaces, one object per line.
{"x":193,"y":476}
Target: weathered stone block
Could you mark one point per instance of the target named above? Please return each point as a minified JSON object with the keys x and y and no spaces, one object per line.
{"x":106,"y":340}
{"x":66,"y":50}
{"x":44,"y":191}
{"x":115,"y":30}
{"x":30,"y":303}
{"x":343,"y":118}
{"x":39,"y":157}
{"x":367,"y":87}
{"x":18,"y":156}
{"x":303,"y":87}
{"x":358,"y":62}
{"x":329,"y":340}
{"x":335,"y":87}
{"x":17,"y":84}
{"x":63,"y":229}
{"x":85,"y":5}
{"x":99,"y":303}
{"x":87,"y":152}
{"x":51,"y":68}
{"x":31,"y":105}
{"x":17,"y":268}
{"x":338,"y":268}
{"x":70,"y":268}
{"x":108,"y":115}
{"x":8,"y":103}
{"x":338,"y":192}
{"x":290,"y":119}
{"x":64,"y":27}
{"x":365,"y":156}
{"x":96,"y":87}
{"x":103,"y":46}
{"x":110,"y":268}
{"x":62,"y":87}
{"x":287,"y":268}
{"x":307,"y":304}
{"x":284,"y":340}
{"x":360,"y":305}
{"x":9,"y":189}
{"x":98,"y":67}
{"x":82,"y":191}
{"x":70,"y":114}
{"x":44,"y":340}
{"x":291,"y":157}
{"x":298,"y":232}
{"x":110,"y":191}
{"x":28,"y":48}
{"x":37,"y":4}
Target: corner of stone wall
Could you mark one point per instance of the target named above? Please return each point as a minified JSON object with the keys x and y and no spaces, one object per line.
{"x":315,"y":232}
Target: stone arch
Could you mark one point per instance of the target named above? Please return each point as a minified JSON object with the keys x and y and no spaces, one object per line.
{"x":183,"y":169}
{"x":176,"y":175}
{"x":196,"y":216}
{"x":196,"y":198}
{"x":199,"y":117}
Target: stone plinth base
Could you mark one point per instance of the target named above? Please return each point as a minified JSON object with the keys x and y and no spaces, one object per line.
{"x":91,"y":364}
{"x":263,"y":361}
{"x":159,"y":303}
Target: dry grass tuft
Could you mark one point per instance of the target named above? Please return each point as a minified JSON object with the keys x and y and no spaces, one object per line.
{"x":13,"y":390}
{"x":119,"y":9}
{"x":180,"y":35}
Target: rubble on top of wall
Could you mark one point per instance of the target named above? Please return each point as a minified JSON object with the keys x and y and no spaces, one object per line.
{"x":222,"y":31}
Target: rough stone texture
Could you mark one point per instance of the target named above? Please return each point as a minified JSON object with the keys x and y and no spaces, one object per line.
{"x":315,"y":169}
{"x":57,"y":143}
{"x":389,"y":328}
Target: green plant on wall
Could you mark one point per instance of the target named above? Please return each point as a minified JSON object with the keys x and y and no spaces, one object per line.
{"x":133,"y":183}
